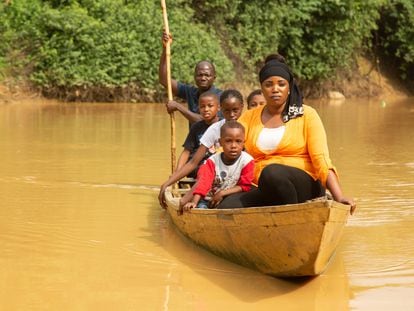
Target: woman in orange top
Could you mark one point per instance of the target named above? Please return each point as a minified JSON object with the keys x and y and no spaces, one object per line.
{"x":288,"y":143}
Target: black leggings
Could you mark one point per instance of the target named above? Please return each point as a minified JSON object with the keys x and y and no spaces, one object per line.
{"x":278,"y":184}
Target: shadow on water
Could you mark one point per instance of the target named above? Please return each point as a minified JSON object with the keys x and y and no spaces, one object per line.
{"x":245,"y":284}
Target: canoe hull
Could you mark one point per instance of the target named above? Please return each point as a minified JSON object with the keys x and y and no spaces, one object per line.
{"x":282,"y":241}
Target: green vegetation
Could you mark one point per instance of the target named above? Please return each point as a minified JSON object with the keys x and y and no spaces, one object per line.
{"x":396,"y":36}
{"x":109,"y":49}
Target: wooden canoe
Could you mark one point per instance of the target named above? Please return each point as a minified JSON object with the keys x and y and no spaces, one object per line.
{"x":282,"y":241}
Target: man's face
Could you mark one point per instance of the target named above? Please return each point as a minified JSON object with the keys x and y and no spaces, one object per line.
{"x":204,"y":76}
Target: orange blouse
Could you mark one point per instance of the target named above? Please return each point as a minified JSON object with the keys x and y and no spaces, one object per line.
{"x":303,"y":145}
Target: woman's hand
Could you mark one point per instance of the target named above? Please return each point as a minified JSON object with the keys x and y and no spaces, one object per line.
{"x":332,"y":184}
{"x":348,"y":201}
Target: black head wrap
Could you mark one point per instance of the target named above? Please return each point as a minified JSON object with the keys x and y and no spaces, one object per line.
{"x":293,"y":108}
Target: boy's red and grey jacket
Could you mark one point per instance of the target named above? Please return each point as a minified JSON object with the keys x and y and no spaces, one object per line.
{"x":214,"y":175}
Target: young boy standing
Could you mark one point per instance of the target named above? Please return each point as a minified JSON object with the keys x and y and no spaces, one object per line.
{"x":224,"y":173}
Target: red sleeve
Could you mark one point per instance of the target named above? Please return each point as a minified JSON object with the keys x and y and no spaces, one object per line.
{"x":246,"y":176}
{"x":205,"y":178}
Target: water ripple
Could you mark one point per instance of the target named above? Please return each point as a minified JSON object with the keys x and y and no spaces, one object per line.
{"x":43,"y":183}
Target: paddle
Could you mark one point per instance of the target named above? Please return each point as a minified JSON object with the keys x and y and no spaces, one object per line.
{"x":169,"y":87}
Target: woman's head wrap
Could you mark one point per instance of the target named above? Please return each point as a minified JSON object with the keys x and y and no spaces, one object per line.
{"x":293,"y":108}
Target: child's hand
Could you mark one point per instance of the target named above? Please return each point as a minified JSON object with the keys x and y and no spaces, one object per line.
{"x":188,"y":206}
{"x":165,"y":38}
{"x":216,"y":199}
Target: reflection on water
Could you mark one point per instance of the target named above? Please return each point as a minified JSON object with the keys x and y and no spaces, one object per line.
{"x":374,"y":149}
{"x":80,"y":227}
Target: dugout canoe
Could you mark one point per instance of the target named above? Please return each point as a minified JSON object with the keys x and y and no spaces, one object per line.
{"x":282,"y":241}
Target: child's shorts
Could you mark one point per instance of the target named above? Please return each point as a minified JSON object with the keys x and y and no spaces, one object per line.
{"x":203,"y":204}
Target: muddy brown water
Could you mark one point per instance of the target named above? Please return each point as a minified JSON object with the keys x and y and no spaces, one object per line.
{"x":81,"y":229}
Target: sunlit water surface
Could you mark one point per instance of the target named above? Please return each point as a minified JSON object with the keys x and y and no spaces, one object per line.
{"x":81,"y":229}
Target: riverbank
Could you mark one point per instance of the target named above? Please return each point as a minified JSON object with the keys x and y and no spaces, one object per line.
{"x":365,"y":80}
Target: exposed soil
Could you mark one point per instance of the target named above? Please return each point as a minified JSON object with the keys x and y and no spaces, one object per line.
{"x":365,"y":80}
{"x":9,"y":93}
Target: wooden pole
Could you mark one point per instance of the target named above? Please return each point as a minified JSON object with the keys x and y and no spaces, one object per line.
{"x":169,"y":87}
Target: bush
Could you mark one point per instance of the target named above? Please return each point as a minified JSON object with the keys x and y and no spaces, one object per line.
{"x":97,"y":43}
{"x":316,"y":36}
{"x":18,"y":34}
{"x":105,"y":44}
{"x":71,"y":46}
{"x":396,"y":36}
{"x":192,"y":44}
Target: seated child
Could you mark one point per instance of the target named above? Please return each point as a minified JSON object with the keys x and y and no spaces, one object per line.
{"x":255,"y":99}
{"x":228,"y":172}
{"x":208,"y":104}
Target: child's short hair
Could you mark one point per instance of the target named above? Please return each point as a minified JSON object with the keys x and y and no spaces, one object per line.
{"x":231,"y":124}
{"x":230,"y":93}
{"x":253,"y":94}
{"x":209,"y":94}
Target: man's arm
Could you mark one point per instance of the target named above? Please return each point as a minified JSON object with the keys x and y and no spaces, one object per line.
{"x":189,"y":115}
{"x":162,"y":70}
{"x":162,"y":78}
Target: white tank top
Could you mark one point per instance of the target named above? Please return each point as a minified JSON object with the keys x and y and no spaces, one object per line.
{"x":269,"y":138}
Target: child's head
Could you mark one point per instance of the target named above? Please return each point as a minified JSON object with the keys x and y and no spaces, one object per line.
{"x":231,"y":104}
{"x":255,"y":99}
{"x":232,"y":139}
{"x":208,"y":104}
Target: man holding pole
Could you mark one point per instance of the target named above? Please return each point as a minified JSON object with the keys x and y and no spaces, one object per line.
{"x":204,"y":76}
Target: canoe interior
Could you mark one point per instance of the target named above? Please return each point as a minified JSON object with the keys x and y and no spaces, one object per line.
{"x":282,"y":241}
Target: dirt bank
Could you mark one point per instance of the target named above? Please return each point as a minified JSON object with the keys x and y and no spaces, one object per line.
{"x":14,"y":91}
{"x":373,"y":80}
{"x":366,"y":79}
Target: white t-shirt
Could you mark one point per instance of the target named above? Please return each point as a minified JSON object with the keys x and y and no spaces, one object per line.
{"x":227,"y":176}
{"x":211,"y":136}
{"x":269,"y":138}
